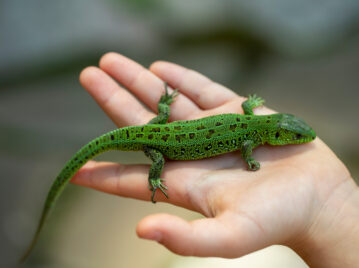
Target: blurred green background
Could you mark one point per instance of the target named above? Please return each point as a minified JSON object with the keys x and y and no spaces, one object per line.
{"x":301,"y":56}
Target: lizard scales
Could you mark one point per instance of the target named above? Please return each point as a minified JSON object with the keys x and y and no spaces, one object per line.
{"x":192,"y":139}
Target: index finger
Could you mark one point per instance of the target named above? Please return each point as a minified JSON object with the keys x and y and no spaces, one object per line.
{"x":120,"y":105}
{"x":144,"y":84}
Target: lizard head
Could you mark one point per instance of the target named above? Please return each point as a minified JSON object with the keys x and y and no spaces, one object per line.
{"x":291,"y":130}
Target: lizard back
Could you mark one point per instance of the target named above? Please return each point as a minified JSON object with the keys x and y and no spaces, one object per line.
{"x":197,"y":139}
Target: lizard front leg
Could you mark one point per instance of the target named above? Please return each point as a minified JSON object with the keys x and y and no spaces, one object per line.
{"x":154,"y":180}
{"x":246,"y":150}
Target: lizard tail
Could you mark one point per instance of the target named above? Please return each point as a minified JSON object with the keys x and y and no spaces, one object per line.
{"x":113,"y":140}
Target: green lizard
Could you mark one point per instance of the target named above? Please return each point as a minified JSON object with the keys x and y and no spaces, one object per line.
{"x":185,"y":140}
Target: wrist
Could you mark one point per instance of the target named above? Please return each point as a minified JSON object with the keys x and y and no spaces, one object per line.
{"x":332,"y":239}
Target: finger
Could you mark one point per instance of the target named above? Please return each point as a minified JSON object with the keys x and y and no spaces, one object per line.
{"x":121,"y":106}
{"x":132,"y":180}
{"x":203,"y":237}
{"x":199,"y":88}
{"x":117,"y":179}
{"x":129,"y":181}
{"x":144,"y":84}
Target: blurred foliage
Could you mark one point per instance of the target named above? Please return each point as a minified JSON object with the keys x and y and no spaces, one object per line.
{"x":140,"y":6}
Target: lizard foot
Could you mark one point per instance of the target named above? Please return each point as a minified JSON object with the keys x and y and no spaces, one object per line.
{"x":255,"y":101}
{"x":253,"y":165}
{"x":157,"y":184}
{"x":168,"y":98}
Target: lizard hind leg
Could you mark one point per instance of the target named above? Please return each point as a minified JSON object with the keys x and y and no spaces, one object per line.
{"x":164,"y":107}
{"x":252,"y":102}
{"x":154,"y":180}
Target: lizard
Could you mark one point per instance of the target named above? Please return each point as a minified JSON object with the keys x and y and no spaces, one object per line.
{"x":185,"y":140}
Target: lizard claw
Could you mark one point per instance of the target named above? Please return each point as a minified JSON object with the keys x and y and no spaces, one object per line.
{"x":256,"y":101}
{"x":168,"y":98}
{"x":157,"y":184}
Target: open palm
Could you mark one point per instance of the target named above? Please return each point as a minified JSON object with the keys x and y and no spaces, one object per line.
{"x":245,"y":211}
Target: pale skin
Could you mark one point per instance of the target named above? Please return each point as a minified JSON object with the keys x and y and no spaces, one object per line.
{"x":302,"y":197}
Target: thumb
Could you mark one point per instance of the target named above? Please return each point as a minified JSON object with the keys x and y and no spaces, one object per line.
{"x":202,"y":237}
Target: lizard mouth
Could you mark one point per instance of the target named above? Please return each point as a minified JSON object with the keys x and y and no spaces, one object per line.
{"x":292,"y":138}
{"x":302,"y":138}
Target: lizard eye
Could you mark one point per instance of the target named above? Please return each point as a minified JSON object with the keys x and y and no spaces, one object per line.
{"x":299,"y":136}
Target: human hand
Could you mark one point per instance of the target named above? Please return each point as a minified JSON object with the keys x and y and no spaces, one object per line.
{"x":284,"y":202}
